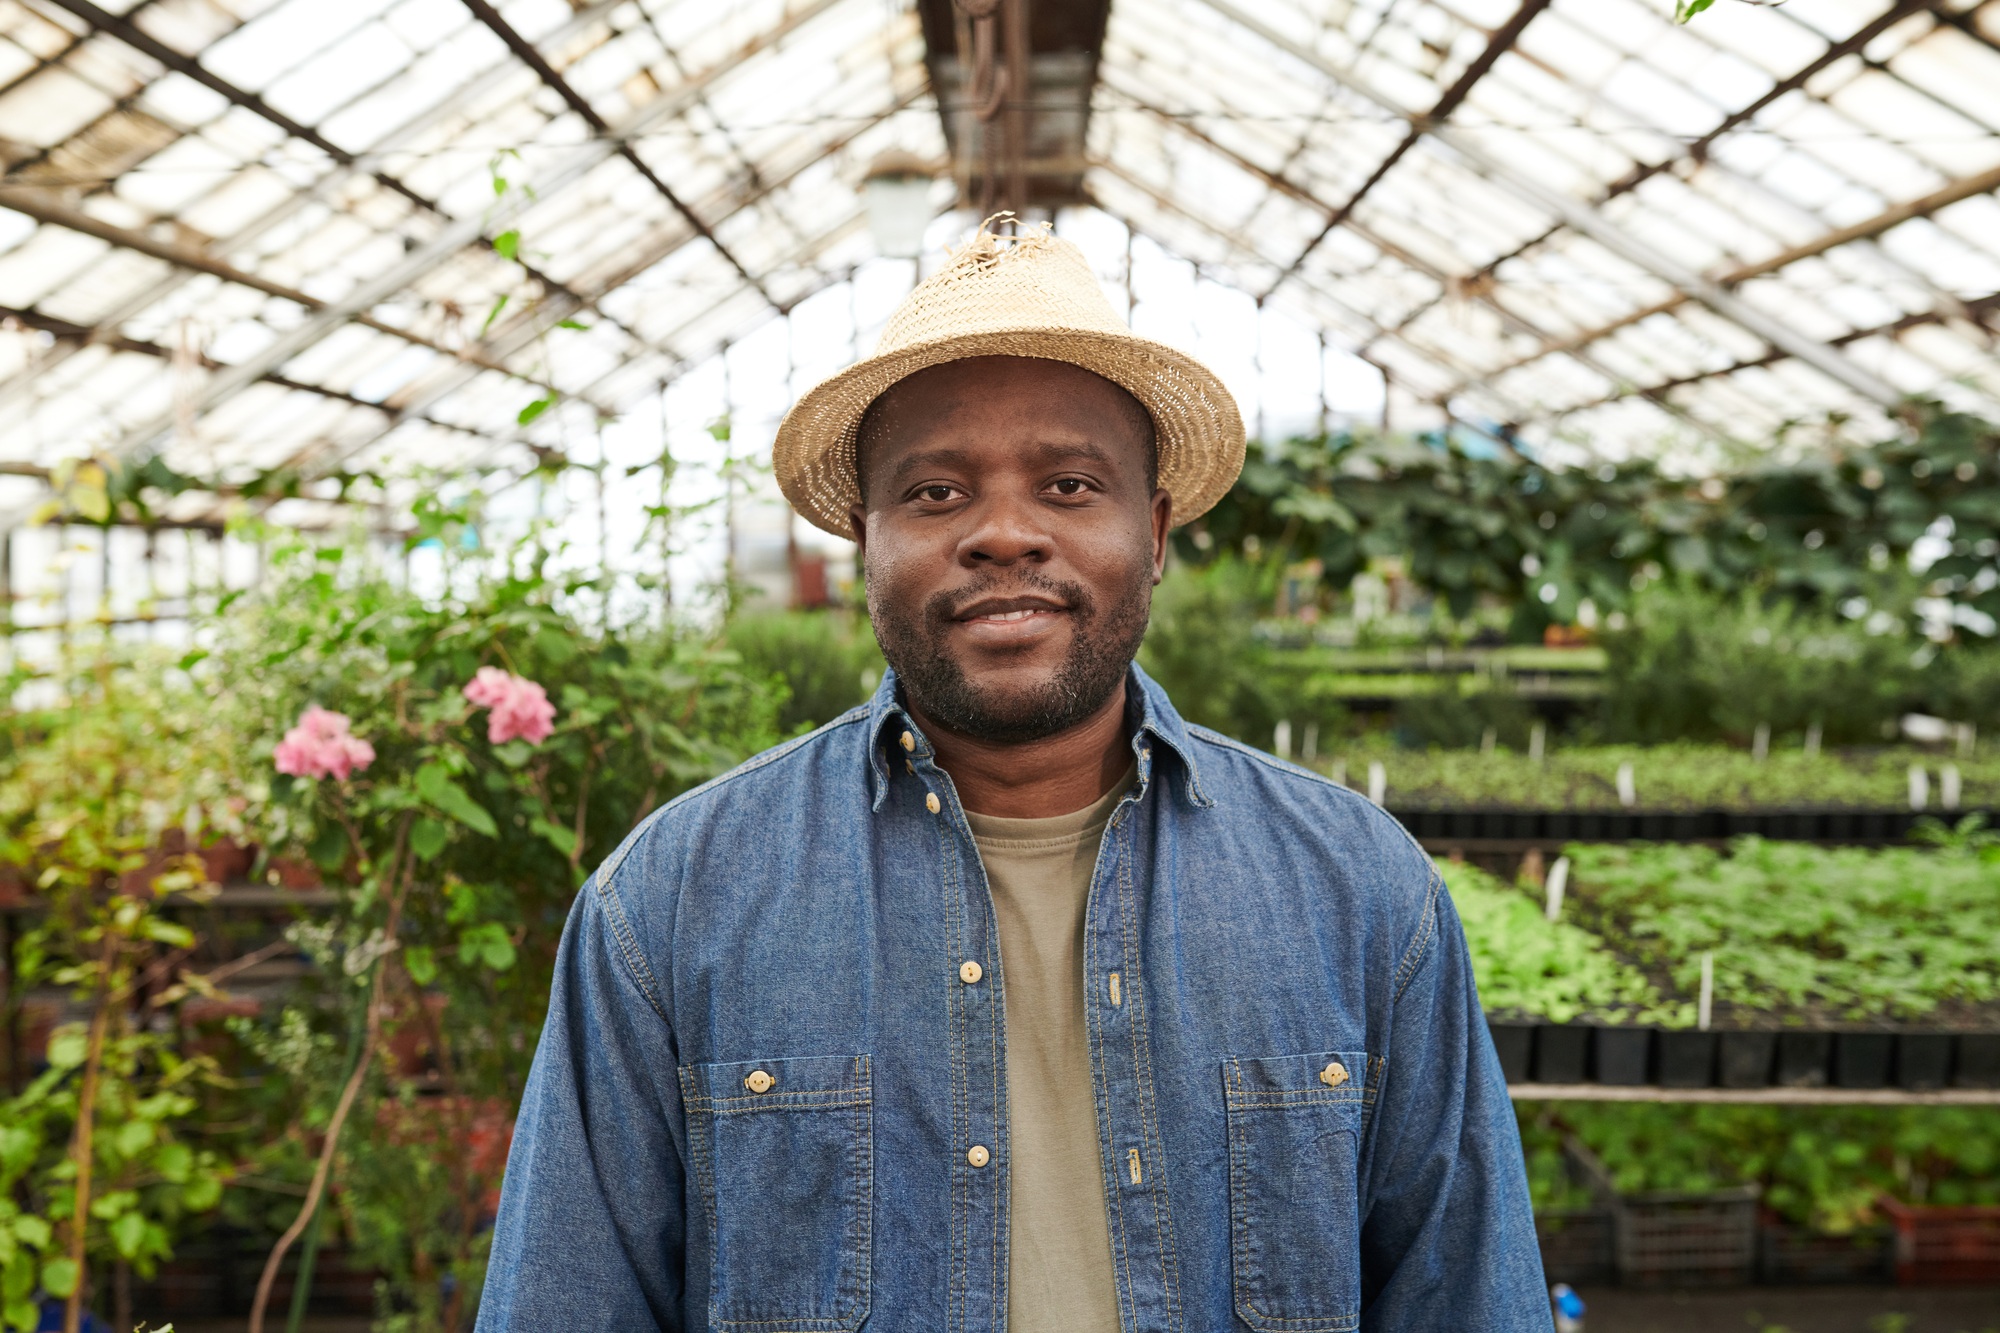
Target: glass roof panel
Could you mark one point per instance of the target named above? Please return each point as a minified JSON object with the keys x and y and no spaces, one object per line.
{"x":1603,"y":227}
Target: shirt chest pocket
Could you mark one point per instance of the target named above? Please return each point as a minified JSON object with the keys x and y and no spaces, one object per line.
{"x":1295,"y":1126}
{"x":783,"y":1153}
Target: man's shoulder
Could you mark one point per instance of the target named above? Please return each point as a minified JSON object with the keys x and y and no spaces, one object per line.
{"x":1224,"y":763}
{"x":1335,"y":823}
{"x":763,"y":791}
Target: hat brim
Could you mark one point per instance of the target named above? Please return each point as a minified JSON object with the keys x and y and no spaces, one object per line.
{"x":1197,"y":425}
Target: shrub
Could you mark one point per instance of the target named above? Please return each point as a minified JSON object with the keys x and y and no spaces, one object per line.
{"x":826,"y":661}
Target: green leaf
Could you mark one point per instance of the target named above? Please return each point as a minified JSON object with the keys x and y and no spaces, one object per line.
{"x":499,"y":304}
{"x":128,"y":1233}
{"x":534,"y":409}
{"x":32,"y":1231}
{"x":67,"y":1050}
{"x":168,"y":932}
{"x":486,"y":943}
{"x":59,"y":1277}
{"x":427,"y":838}
{"x":202,"y":1193}
{"x":22,"y":1314}
{"x":1687,"y":9}
{"x":434,"y":784}
{"x":558,"y":837}
{"x":174,"y":1162}
{"x":578,"y":325}
{"x":134,"y":1137}
{"x":420,"y":961}
{"x":329,"y":848}
{"x":507,"y":244}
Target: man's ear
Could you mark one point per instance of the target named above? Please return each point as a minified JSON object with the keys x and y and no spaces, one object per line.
{"x":1163,"y":519}
{"x":857,"y":522}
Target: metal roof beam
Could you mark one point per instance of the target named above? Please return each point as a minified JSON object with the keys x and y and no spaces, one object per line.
{"x":475,"y":87}
{"x":808,"y":250}
{"x":139,"y":40}
{"x":658,"y":250}
{"x":45,"y":207}
{"x":547,"y":73}
{"x":1696,"y":150}
{"x":1497,"y":45}
{"x":1442,"y":400}
{"x":1983,"y":311}
{"x":1242,"y":246}
{"x":1279,"y":182}
{"x":1965,"y":188}
{"x":569,"y":167}
{"x":1583,"y":217}
{"x":84,"y":335}
{"x":456,"y":378}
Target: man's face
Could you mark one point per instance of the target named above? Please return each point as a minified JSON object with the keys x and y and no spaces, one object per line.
{"x":1010,"y":537}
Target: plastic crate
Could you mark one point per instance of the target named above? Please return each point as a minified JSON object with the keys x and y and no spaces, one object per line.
{"x":1937,"y":1246}
{"x":1577,"y":1247}
{"x":1677,"y":1240}
{"x":1794,"y":1256}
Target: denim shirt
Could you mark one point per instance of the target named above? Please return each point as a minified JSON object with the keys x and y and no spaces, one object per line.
{"x":771,"y":1094}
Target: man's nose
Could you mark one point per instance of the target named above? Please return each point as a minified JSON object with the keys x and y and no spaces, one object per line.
{"x":1006,"y":530}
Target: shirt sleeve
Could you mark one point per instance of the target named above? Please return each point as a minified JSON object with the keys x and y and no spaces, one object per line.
{"x":1449,"y":1237}
{"x":591,"y":1228}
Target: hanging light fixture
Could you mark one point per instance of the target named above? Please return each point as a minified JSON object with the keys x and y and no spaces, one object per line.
{"x":897,"y":191}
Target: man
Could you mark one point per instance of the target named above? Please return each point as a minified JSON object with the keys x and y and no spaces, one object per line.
{"x":1009,"y":1001}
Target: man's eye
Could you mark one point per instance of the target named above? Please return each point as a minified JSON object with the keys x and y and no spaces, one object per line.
{"x":1070,"y":486}
{"x":936,"y":494}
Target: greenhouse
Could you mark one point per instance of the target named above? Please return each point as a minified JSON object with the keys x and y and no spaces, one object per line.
{"x":399,"y":506}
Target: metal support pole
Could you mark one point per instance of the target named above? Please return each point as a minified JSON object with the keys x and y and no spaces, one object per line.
{"x":1581,"y":216}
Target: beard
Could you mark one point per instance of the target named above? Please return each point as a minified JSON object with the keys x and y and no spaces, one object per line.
{"x":1103,"y":641}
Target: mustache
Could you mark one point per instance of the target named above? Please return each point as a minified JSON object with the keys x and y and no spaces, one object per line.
{"x":942,"y":608}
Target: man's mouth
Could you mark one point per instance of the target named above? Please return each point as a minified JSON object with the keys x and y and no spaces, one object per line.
{"x":1009,"y":610}
{"x":1011,"y":621}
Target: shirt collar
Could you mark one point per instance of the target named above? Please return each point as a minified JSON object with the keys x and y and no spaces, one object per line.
{"x":1148,"y":710}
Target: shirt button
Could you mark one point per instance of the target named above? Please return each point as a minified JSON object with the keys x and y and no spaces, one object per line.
{"x":1334,"y":1074}
{"x":977,"y":1155}
{"x":909,"y":741}
{"x":931,"y":802}
{"x":970,"y":972}
{"x":759,"y":1081}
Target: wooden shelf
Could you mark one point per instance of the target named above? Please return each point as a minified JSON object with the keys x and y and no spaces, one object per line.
{"x":1605,"y":1092}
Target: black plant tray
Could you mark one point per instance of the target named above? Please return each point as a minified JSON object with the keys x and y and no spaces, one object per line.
{"x":1830,"y":826}
{"x":1624,"y":1056}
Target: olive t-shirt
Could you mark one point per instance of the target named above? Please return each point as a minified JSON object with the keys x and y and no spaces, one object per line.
{"x":1059,"y":1275}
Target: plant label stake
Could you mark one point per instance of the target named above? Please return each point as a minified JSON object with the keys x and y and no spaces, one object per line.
{"x":1948,"y":786}
{"x":1552,"y":904}
{"x":1310,"y":750}
{"x":1537,"y":737}
{"x":1920,"y":787}
{"x":1812,"y":741}
{"x":1628,"y":791}
{"x":1705,"y":1006}
{"x":1378,"y":781}
{"x":1760,"y":742}
{"x":1968,"y":736}
{"x":1281,"y":739}
{"x":1340,"y":771}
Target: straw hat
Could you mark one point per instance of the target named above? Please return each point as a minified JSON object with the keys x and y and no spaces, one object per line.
{"x":1027,"y":295}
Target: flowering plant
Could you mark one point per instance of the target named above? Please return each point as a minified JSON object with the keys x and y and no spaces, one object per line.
{"x":321,"y":746}
{"x":455,"y":850}
{"x":521,"y":708}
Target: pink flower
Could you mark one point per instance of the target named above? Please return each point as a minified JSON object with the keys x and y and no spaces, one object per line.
{"x":321,"y":746}
{"x":521,"y":708}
